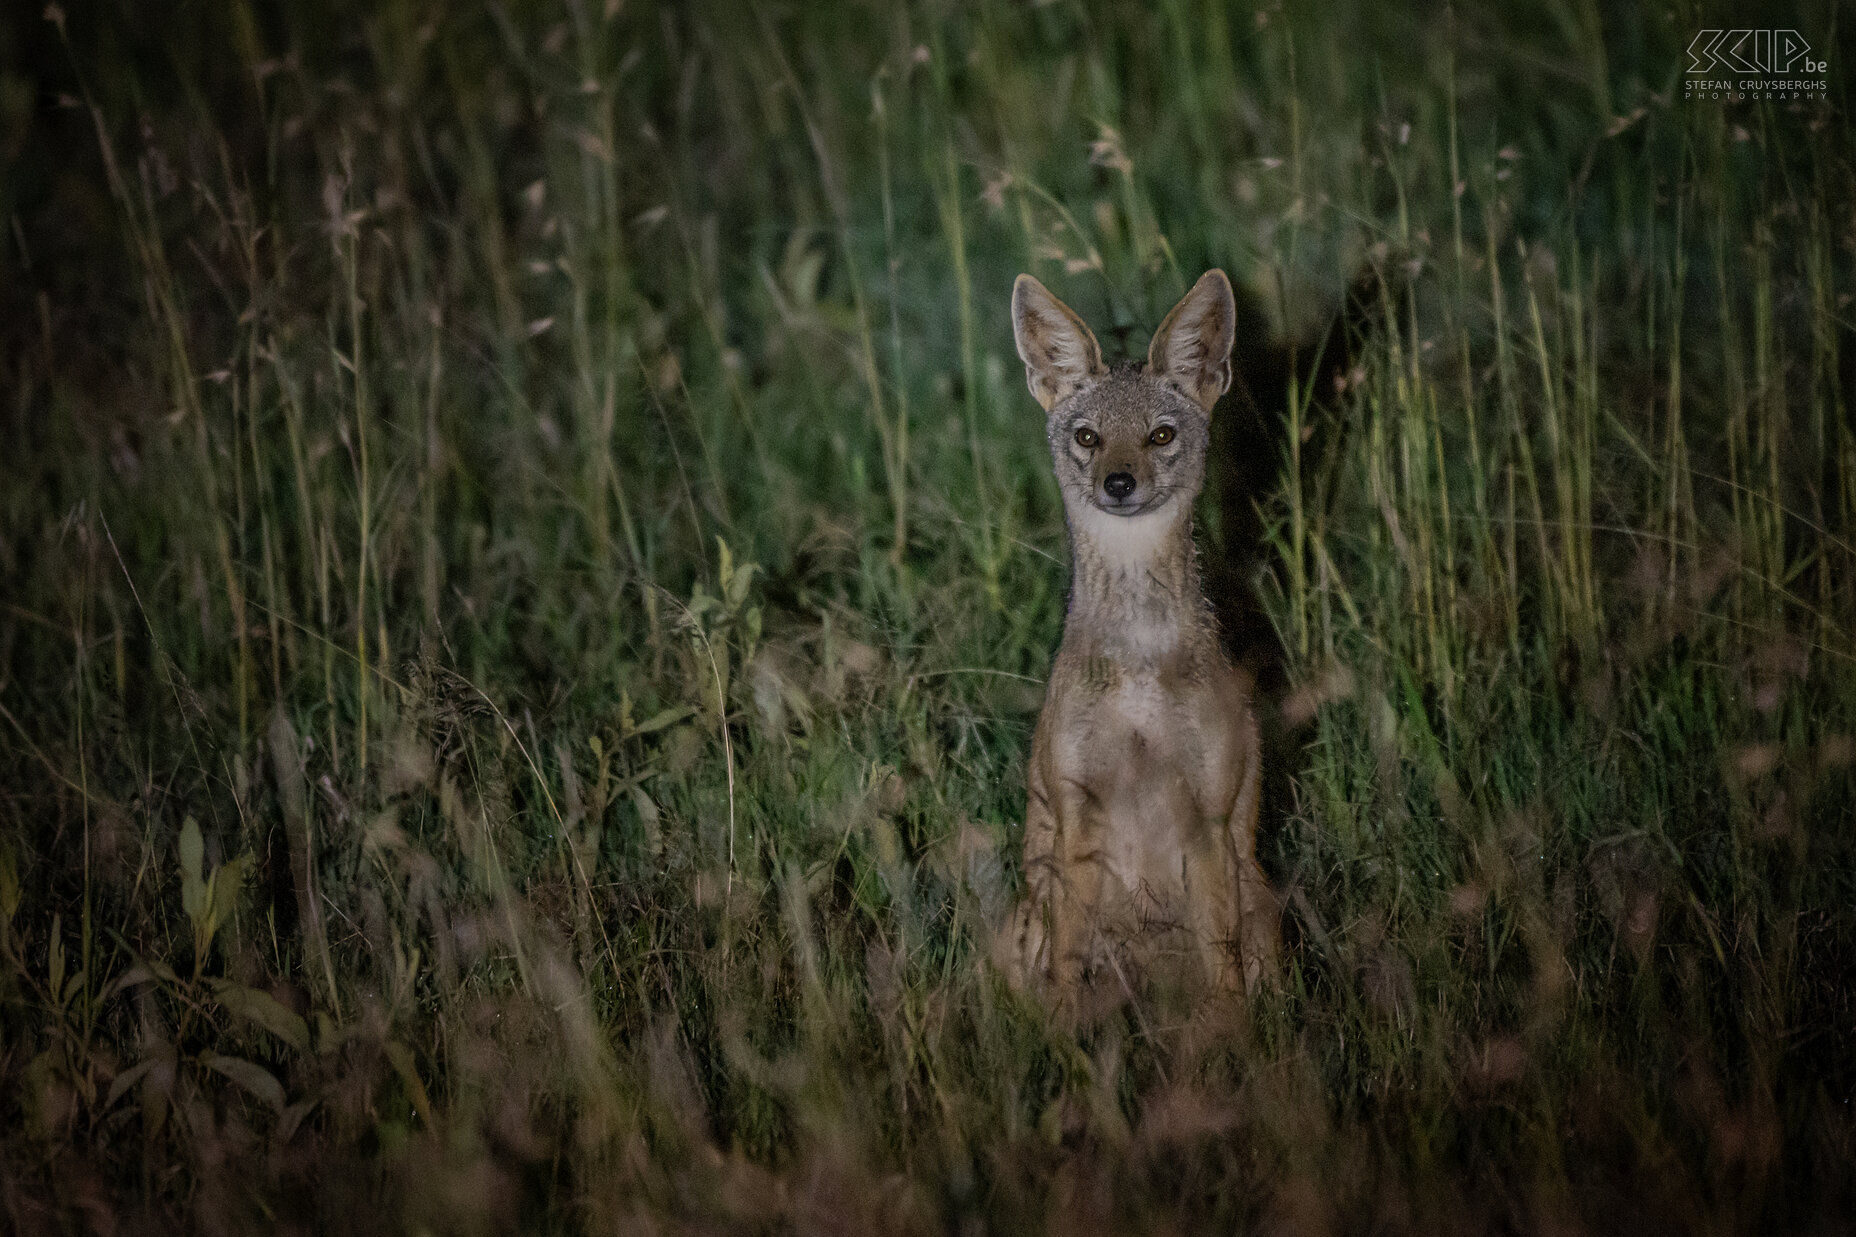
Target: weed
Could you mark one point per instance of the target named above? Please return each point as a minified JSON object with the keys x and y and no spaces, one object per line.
{"x":528,"y":567}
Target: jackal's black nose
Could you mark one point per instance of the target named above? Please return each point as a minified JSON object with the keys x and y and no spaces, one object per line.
{"x":1119,"y":485}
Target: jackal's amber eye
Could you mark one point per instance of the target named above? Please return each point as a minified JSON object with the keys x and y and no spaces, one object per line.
{"x":1087,"y":438}
{"x":1162,"y":435}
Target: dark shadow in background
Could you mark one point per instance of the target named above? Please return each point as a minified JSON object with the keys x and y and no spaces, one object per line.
{"x":1249,"y":464}
{"x":1250,"y":455}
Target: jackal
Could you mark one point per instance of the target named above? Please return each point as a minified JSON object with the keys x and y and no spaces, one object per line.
{"x":1145,"y":771}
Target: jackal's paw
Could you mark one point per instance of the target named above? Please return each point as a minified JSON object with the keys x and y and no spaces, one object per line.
{"x":1260,"y":945}
{"x":1020,"y":947}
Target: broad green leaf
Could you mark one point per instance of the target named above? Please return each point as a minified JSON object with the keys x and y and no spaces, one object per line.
{"x":330,"y":1036}
{"x":45,"y":1082}
{"x":140,"y":973}
{"x":223,"y":889}
{"x":669,"y":717}
{"x":129,"y":1077}
{"x":727,"y":565}
{"x":249,"y":1075}
{"x":9,"y":882}
{"x":293,"y":1117}
{"x":738,"y":583}
{"x":264,"y":1009}
{"x":648,"y":817}
{"x":192,"y":855}
{"x":54,"y":960}
{"x":401,"y":1058}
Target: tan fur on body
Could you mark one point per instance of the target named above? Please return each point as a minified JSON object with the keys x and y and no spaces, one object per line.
{"x":1140,"y":826}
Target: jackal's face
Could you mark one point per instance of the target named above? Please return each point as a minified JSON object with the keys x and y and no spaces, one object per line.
{"x":1131,"y":439}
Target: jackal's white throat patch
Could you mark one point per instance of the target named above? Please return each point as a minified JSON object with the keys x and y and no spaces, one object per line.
{"x":1126,"y":542}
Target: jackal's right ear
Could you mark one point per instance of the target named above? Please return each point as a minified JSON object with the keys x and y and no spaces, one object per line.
{"x":1192,"y":348}
{"x":1060,"y":355}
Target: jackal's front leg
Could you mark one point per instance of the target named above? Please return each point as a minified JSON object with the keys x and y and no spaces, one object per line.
{"x":1022,"y":948}
{"x":1076,"y":888}
{"x":1258,"y":924}
{"x":1214,"y":908}
{"x":1052,"y":934}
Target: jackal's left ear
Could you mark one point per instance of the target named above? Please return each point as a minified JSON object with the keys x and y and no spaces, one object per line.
{"x":1061,"y":356}
{"x":1192,"y":348}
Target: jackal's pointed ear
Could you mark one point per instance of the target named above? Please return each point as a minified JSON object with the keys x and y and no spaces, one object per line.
{"x":1192,"y":348}
{"x":1060,"y":355}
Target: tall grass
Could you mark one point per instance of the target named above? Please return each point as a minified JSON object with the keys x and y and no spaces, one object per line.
{"x":529,"y":570}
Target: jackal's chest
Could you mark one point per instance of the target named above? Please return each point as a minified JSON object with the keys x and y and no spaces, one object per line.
{"x":1149,"y":768}
{"x":1159,"y":758}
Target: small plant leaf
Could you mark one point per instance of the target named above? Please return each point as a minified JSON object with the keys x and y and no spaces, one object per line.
{"x":192,"y":855}
{"x":648,"y":817}
{"x":140,"y":973}
{"x":128,"y":1078}
{"x":738,"y":584}
{"x":329,"y":1034}
{"x":54,"y":959}
{"x":669,"y":717}
{"x":162,"y":970}
{"x":264,"y":1009}
{"x":751,"y":621}
{"x":293,"y":1117}
{"x":250,"y":1075}
{"x":45,"y":1096}
{"x":9,"y":882}
{"x":400,"y":1056}
{"x":223,"y":890}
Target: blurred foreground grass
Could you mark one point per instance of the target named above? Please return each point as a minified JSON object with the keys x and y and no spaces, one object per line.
{"x":528,"y":568}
